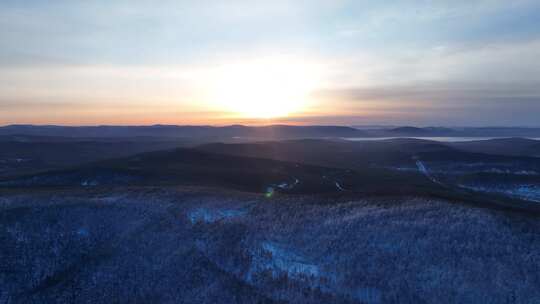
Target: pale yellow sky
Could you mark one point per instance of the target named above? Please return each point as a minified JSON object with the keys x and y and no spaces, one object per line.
{"x":258,"y":62}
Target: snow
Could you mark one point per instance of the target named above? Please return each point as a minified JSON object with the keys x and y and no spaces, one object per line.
{"x":529,"y":192}
{"x":368,"y":295}
{"x":283,"y":260}
{"x":526,"y":172}
{"x":212,"y":215}
{"x":508,"y":171}
{"x":15,"y":160}
{"x":423,"y":169}
{"x":89,"y":183}
{"x":82,"y":232}
{"x":522,"y":191}
{"x":288,"y":186}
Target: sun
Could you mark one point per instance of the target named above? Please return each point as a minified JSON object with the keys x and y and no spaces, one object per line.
{"x":266,"y":88}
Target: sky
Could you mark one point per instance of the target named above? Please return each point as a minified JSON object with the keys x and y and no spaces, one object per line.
{"x":422,"y":63}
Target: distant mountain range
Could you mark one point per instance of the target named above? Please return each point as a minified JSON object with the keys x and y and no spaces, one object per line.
{"x":459,"y":132}
{"x":273,"y":131}
{"x":260,"y":132}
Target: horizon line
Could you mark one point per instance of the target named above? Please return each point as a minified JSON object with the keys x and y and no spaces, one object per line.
{"x":263,"y":125}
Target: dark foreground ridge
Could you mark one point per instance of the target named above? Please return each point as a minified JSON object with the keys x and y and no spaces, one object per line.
{"x":309,"y":167}
{"x":200,"y":245}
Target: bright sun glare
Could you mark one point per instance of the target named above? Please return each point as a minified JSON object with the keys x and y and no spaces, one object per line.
{"x":264,"y":88}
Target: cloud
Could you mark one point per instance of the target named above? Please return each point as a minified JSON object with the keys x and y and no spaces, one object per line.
{"x":405,"y":59}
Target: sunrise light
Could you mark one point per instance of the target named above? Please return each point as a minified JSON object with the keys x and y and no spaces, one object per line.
{"x":265,"y":88}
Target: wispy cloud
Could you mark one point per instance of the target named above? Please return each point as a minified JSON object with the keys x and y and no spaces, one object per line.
{"x":381,"y":62}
